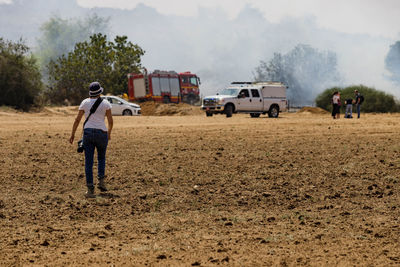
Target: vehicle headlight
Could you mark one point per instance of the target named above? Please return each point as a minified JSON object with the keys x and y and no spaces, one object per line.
{"x":220,"y":101}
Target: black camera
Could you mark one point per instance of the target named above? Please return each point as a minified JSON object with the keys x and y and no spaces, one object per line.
{"x":80,"y":146}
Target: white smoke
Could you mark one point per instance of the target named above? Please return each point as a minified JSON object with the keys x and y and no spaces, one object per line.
{"x":218,"y":46}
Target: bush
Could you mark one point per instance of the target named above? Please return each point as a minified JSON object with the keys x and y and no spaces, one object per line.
{"x":374,"y":100}
{"x":20,"y":79}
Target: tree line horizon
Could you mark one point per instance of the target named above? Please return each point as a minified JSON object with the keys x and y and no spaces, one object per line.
{"x":71,"y":54}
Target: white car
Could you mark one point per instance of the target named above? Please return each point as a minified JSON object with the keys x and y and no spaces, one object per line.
{"x":122,"y":107}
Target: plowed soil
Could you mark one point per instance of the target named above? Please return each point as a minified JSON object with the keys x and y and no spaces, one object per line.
{"x":302,"y":189}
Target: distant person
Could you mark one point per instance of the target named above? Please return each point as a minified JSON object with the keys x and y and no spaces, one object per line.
{"x":349,"y":108}
{"x":66,"y":102}
{"x":359,"y":100}
{"x":336,"y":105}
{"x":95,"y":135}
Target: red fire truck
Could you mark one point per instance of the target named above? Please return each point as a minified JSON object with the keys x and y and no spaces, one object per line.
{"x":164,"y":86}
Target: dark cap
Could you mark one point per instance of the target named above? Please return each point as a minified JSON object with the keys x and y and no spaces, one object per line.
{"x":95,"y":89}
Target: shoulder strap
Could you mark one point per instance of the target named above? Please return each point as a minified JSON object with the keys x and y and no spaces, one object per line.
{"x":93,"y":109}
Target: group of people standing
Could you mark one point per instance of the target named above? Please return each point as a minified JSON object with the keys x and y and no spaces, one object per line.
{"x":336,"y":104}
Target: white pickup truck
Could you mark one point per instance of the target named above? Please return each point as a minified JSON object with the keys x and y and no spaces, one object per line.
{"x":255,"y":98}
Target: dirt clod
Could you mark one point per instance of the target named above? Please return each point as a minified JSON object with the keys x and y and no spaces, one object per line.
{"x":45,"y":243}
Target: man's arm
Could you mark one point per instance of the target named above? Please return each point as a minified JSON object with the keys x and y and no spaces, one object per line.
{"x":110,"y":122}
{"x":76,"y":124}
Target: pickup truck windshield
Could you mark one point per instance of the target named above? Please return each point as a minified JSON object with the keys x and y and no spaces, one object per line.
{"x":230,"y":91}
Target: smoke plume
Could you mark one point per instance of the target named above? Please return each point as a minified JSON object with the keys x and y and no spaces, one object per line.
{"x":213,"y":45}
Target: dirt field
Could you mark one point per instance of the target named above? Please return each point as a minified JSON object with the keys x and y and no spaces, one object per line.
{"x":195,"y":191}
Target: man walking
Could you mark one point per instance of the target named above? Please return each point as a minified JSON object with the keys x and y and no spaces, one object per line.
{"x":95,"y":135}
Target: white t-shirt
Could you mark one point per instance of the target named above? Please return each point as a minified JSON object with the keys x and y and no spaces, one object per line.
{"x":96,"y":120}
{"x":335,"y":99}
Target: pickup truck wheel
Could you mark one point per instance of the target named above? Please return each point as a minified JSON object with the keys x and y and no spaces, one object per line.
{"x":273,"y":111}
{"x":254,"y":115}
{"x":209,"y":114}
{"x":229,"y":111}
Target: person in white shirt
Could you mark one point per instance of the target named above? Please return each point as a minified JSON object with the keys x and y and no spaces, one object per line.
{"x":336,"y":105}
{"x":95,"y":135}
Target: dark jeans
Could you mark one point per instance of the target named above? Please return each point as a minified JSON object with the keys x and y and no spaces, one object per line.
{"x":94,"y":138}
{"x":335,"y":109}
{"x":358,"y":110}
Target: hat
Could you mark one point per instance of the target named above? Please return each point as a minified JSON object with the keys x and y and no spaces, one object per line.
{"x":95,"y":89}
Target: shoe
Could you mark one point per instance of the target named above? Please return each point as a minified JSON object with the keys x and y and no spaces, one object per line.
{"x":102,"y":185}
{"x":90,"y":193}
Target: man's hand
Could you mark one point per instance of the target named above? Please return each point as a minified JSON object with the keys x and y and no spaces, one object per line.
{"x":71,"y":139}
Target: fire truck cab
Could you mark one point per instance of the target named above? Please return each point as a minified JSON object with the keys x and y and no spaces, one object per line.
{"x":189,"y":87}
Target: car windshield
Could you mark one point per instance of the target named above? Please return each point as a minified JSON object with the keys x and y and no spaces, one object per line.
{"x":230,"y":91}
{"x":115,"y":100}
{"x":121,"y":100}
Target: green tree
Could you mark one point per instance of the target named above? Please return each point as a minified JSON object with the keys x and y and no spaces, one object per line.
{"x":392,"y":62}
{"x":375,"y":100}
{"x":20,"y":78}
{"x":59,"y":36}
{"x":305,"y":71}
{"x":95,"y":60}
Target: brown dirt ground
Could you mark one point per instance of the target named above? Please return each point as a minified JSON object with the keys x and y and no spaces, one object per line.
{"x":313,"y":110}
{"x":150,"y":108}
{"x":302,"y":189}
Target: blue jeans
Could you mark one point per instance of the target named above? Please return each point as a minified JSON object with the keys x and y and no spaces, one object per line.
{"x":358,"y":110}
{"x":94,"y":138}
{"x":349,"y":110}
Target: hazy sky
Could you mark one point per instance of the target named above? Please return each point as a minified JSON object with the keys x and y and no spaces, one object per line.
{"x":375,"y":17}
